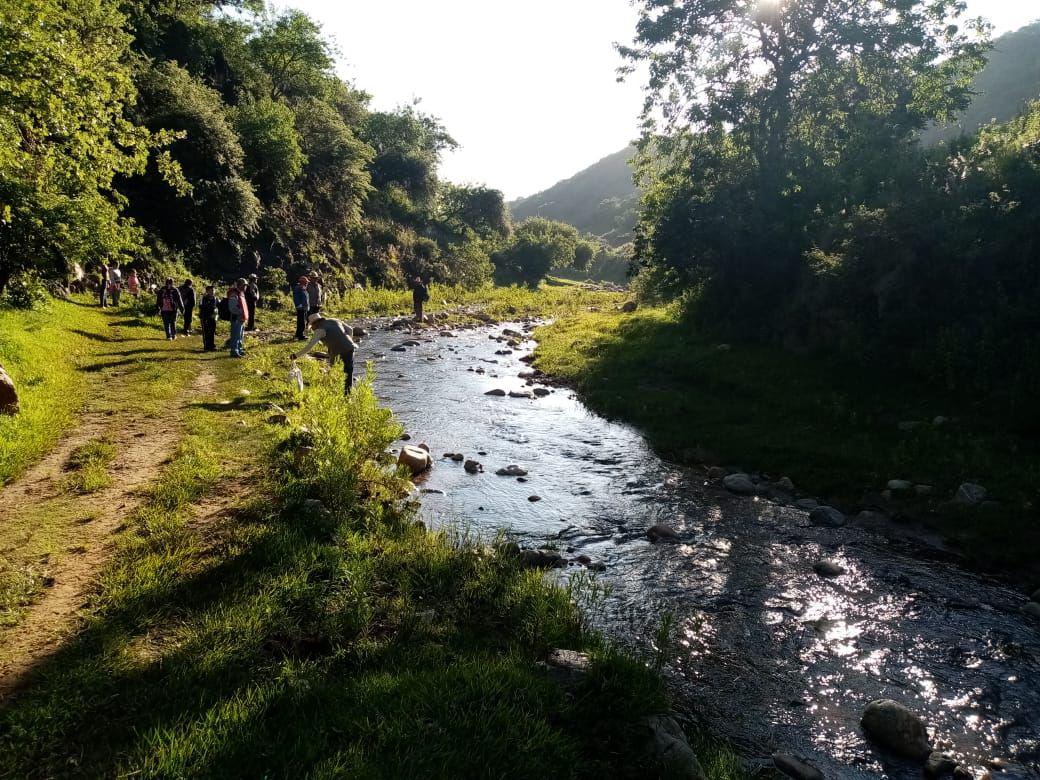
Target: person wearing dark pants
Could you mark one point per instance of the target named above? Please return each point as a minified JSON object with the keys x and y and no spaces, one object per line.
{"x":420,"y":294}
{"x":301,"y":301}
{"x":252,"y":298}
{"x":336,"y":335}
{"x":188,"y":300}
{"x":168,"y":301}
{"x":208,"y":316}
{"x":239,"y":317}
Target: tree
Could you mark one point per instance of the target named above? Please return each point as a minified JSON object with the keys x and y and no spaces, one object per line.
{"x":536,"y":247}
{"x":273,"y":155}
{"x":480,"y":210}
{"x":63,"y":135}
{"x":291,"y":51}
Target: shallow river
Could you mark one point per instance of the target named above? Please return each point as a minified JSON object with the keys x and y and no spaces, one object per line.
{"x":771,"y":655}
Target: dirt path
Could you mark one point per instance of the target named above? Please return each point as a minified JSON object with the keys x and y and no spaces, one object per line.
{"x":142,"y":451}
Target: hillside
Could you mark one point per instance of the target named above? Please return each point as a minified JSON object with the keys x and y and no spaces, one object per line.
{"x":602,"y":200}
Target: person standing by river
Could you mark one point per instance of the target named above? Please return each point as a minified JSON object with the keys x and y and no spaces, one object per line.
{"x":168,"y":301}
{"x":188,"y":300}
{"x":420,"y":294}
{"x":315,"y":295}
{"x":301,"y":301}
{"x":239,"y":309}
{"x":336,"y":336}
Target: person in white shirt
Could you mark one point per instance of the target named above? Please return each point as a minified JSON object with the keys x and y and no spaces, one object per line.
{"x":115,"y":283}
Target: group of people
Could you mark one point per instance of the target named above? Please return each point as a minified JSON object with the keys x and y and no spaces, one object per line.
{"x":238,"y":307}
{"x":110,"y":284}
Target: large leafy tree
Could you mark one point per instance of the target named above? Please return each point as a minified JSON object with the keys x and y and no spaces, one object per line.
{"x":536,"y":247}
{"x":63,"y":134}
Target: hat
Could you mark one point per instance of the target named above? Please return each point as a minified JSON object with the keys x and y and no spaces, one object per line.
{"x":303,"y":280}
{"x":253,"y":276}
{"x":313,"y":318}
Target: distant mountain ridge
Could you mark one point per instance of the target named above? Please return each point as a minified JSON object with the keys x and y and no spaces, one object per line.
{"x":603,"y":200}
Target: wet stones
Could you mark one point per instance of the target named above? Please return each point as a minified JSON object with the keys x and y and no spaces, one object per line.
{"x":828,"y":569}
{"x":739,"y":483}
{"x":717,"y":472}
{"x":826,"y":517}
{"x":498,"y":392}
{"x":473,"y":467}
{"x":415,"y":459}
{"x":541,"y":392}
{"x":896,"y":728}
{"x":458,"y":457}
{"x":806,"y":504}
{"x":970,"y":494}
{"x":940,"y":765}
{"x":793,"y":767}
{"x":521,"y":394}
{"x":512,"y":471}
{"x":542,"y":559}
{"x":567,"y":668}
{"x":662,"y":533}
{"x":668,"y":745}
{"x":534,"y":499}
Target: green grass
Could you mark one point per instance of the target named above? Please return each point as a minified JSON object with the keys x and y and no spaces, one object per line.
{"x":255,"y":637}
{"x":88,"y":467}
{"x":833,"y":429}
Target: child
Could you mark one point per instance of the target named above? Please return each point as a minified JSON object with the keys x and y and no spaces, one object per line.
{"x":208,"y":315}
{"x":133,"y":284}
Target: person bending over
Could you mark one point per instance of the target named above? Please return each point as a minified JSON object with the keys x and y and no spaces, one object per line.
{"x":336,"y":336}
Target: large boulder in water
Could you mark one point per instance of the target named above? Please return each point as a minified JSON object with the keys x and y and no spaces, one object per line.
{"x":415,"y":458}
{"x":8,"y":395}
{"x":896,"y":728}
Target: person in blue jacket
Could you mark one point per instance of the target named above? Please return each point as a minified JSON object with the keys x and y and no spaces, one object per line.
{"x":301,"y":301}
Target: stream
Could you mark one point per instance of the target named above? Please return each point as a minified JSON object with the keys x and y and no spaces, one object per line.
{"x":769,"y":654}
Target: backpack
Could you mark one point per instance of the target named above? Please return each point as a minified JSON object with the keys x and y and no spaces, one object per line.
{"x":224,"y":309}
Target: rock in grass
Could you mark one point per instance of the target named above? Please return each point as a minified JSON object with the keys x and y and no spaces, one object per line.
{"x":669,"y":747}
{"x":567,"y":668}
{"x":739,"y":483}
{"x":970,"y":494}
{"x":416,"y":459}
{"x":542,"y":559}
{"x":828,"y":569}
{"x":662,"y":533}
{"x":896,"y":728}
{"x":629,"y":306}
{"x":940,"y":765}
{"x":793,"y":767}
{"x":826,"y":517}
{"x":278,"y":419}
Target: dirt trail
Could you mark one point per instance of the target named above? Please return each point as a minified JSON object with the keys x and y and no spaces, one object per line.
{"x":142,"y":450}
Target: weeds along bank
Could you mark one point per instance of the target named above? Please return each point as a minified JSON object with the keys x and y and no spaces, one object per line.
{"x":839,"y":431}
{"x":275,"y":609}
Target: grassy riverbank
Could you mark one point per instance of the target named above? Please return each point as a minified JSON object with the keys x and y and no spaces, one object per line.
{"x":833,"y":429}
{"x":240,"y":631}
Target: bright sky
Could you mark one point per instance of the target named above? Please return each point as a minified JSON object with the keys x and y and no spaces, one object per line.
{"x":528,"y":89}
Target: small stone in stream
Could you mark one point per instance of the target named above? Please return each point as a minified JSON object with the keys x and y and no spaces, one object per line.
{"x":828,"y":569}
{"x":432,"y":492}
{"x":793,"y":767}
{"x":473,"y":467}
{"x":521,"y":394}
{"x":521,"y":479}
{"x":360,"y":333}
{"x":410,"y":343}
{"x":458,"y":457}
{"x":482,"y":454}
{"x":940,"y":764}
{"x":923,"y":490}
{"x":896,"y":728}
{"x":406,"y":437}
{"x":398,"y":349}
{"x":512,"y":471}
{"x":662,"y":533}
{"x":785,"y":483}
{"x":512,"y":333}
{"x":498,"y":392}
{"x":534,"y":499}
{"x":740,"y":484}
{"x":1032,"y":608}
{"x":900,"y":485}
{"x":542,"y":559}
{"x":806,"y":504}
{"x":527,"y":359}
{"x":717,"y":472}
{"x":503,"y":352}
{"x":826,"y":517}
{"x":970,"y":494}
{"x":669,"y":747}
{"x":541,"y":392}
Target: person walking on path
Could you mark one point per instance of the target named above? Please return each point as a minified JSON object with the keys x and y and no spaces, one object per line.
{"x":336,"y":335}
{"x":420,"y":294}
{"x":188,"y":299}
{"x":301,"y":300}
{"x":208,"y":318}
{"x":253,"y":299}
{"x":315,"y":295}
{"x":239,"y":309}
{"x":133,"y":284}
{"x":103,"y":287}
{"x":168,"y":301}
{"x":115,"y":283}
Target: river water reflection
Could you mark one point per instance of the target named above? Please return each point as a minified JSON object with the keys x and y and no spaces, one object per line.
{"x":773,"y":656}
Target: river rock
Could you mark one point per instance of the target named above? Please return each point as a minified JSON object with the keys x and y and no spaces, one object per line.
{"x":900,"y":485}
{"x":541,"y":392}
{"x":739,"y":483}
{"x":534,"y":499}
{"x":360,"y":333}
{"x":398,"y":349}
{"x":567,"y":668}
{"x":806,"y":504}
{"x":521,"y":394}
{"x":940,"y":765}
{"x":512,"y":471}
{"x":498,"y":392}
{"x":1036,"y":596}
{"x":717,"y":472}
{"x":785,"y":484}
{"x":793,"y":767}
{"x":629,"y":306}
{"x":662,"y":533}
{"x":670,"y":748}
{"x":896,"y":728}
{"x":826,"y":517}
{"x":970,"y":494}
{"x":509,"y":333}
{"x":1032,"y":608}
{"x":473,"y":467}
{"x":8,"y":394}
{"x":416,"y":459}
{"x":542,"y":559}
{"x":828,"y":569}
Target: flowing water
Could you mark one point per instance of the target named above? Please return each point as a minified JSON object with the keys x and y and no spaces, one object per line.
{"x":771,"y":655}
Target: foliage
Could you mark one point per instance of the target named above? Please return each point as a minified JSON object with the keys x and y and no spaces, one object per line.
{"x":536,"y":247}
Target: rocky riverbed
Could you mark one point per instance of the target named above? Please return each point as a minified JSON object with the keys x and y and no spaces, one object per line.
{"x":785,"y":626}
